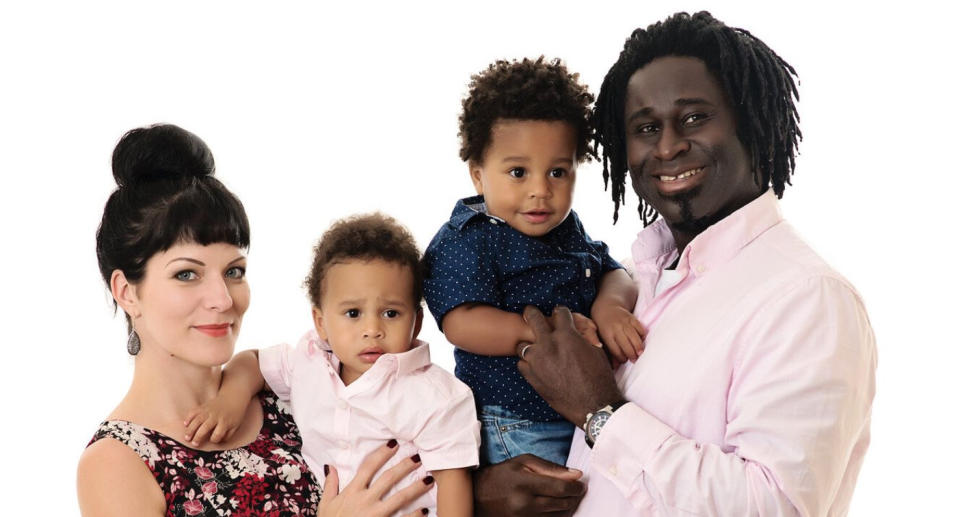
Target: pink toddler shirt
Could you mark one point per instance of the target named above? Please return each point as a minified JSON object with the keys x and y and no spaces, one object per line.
{"x":402,"y":396}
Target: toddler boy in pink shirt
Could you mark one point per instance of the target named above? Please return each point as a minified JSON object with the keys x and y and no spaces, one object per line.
{"x":361,"y":378}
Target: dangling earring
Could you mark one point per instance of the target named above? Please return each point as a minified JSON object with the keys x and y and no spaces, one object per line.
{"x":133,"y":343}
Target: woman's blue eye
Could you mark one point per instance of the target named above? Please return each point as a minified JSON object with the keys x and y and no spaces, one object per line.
{"x":557,"y":173}
{"x":517,"y":172}
{"x":391,"y":313}
{"x":186,"y":275}
{"x":352,"y":313}
{"x":236,"y":273}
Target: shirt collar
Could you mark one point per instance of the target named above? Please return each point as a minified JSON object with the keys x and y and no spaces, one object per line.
{"x":401,"y":364}
{"x":412,"y":360}
{"x":655,"y":249}
{"x":468,"y":208}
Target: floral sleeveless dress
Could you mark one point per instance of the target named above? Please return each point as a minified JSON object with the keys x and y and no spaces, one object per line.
{"x":267,"y":477}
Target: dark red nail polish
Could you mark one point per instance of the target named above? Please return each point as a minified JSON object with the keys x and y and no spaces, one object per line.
{"x":326,"y":470}
{"x":415,"y":458}
{"x":428,"y":480}
{"x":392,"y":443}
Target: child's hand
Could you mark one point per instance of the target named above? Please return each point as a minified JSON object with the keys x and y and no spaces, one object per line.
{"x":621,"y":333}
{"x":218,"y":418}
{"x":587,"y":328}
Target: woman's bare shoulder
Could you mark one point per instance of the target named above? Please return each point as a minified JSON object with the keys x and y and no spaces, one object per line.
{"x":113,"y":480}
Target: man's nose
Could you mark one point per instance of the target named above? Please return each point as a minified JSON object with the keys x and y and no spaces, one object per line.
{"x":670,"y":144}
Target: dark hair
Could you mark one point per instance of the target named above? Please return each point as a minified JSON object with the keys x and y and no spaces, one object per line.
{"x":523,"y":90}
{"x":758,"y":85}
{"x":364,"y":237}
{"x":166,"y":193}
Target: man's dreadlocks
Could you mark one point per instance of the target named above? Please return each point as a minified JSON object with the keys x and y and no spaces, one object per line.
{"x":758,"y":84}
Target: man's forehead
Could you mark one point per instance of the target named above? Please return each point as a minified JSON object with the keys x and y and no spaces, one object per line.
{"x":674,"y":80}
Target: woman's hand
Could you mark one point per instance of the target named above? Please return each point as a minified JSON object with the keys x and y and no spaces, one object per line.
{"x":361,"y":498}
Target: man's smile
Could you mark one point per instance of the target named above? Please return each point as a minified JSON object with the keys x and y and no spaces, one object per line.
{"x":683,"y":179}
{"x":682,"y":175}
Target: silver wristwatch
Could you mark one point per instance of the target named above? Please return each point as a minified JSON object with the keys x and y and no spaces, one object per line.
{"x":596,"y":420}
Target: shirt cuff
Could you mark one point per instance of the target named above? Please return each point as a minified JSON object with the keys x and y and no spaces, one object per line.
{"x":440,"y":311}
{"x":626,"y":444}
{"x":463,"y":454}
{"x":273,"y":371}
{"x":609,"y":264}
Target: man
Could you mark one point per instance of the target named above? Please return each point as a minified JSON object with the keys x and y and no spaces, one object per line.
{"x":753,"y":394}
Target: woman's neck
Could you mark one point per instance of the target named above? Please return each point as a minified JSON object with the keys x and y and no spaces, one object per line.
{"x":165,"y":388}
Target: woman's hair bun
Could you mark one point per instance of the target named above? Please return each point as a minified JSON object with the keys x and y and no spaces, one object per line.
{"x":161,"y":151}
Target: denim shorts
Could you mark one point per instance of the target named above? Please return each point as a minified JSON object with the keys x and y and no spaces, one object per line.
{"x":503,"y":435}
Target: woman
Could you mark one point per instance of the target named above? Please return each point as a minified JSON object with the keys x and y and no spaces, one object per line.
{"x":171,"y":248}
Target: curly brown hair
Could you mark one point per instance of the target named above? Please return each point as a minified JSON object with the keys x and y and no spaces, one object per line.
{"x":364,"y":237}
{"x":524,"y":90}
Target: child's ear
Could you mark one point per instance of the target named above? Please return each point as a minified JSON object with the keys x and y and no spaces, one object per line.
{"x":476,"y":169}
{"x":318,"y":323}
{"x":125,"y":294}
{"x":418,"y":325}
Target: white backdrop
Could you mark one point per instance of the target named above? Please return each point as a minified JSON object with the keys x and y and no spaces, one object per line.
{"x":314,"y":113}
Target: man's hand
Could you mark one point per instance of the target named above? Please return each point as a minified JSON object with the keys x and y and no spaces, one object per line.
{"x":572,"y":375}
{"x":587,"y":328}
{"x":526,"y":485}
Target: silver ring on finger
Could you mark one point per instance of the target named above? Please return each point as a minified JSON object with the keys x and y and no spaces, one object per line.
{"x":523,"y":350}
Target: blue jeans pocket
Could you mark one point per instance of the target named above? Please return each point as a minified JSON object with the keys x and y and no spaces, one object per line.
{"x":503,"y":435}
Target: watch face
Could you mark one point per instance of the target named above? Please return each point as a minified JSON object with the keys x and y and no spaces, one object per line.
{"x":593,"y":428}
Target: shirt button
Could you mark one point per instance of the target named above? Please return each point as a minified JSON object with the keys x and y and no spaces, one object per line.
{"x":613,"y":470}
{"x":701,"y":269}
{"x":492,"y":220}
{"x":587,"y":272}
{"x":343,"y":444}
{"x":342,"y":404}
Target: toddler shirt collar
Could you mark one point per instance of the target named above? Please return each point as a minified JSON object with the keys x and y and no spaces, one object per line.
{"x":399,"y":364}
{"x":472,"y":207}
{"x":468,"y":208}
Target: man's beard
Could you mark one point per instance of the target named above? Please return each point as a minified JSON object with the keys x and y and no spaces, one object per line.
{"x":690,"y":223}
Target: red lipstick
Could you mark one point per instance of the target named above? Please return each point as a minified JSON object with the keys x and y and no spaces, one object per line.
{"x":218,"y":330}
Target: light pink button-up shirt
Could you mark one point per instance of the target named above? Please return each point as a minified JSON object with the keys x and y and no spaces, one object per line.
{"x":753,"y":395}
{"x":402,"y":396}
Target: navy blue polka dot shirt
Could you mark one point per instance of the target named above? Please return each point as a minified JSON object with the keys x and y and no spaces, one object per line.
{"x":479,"y":258}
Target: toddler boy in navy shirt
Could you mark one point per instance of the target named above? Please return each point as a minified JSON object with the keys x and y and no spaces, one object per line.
{"x":524,"y":129}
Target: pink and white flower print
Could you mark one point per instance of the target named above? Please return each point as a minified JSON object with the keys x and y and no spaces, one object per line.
{"x":267,"y":477}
